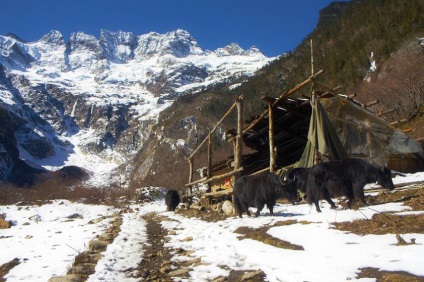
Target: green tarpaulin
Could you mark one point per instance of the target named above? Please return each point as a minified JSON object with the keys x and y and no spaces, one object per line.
{"x":340,"y":128}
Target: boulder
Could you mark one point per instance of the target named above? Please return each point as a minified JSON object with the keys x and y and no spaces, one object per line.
{"x":228,"y":208}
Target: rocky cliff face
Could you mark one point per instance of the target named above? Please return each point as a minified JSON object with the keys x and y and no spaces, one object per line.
{"x":93,"y":102}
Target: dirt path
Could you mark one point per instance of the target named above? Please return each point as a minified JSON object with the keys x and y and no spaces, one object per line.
{"x":157,"y":263}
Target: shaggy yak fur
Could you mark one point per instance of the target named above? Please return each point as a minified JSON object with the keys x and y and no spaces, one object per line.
{"x":172,"y":200}
{"x":258,"y":190}
{"x":298,"y":178}
{"x":344,"y":178}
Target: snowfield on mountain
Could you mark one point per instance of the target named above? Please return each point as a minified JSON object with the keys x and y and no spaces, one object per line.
{"x":92,"y":102}
{"x":44,"y":241}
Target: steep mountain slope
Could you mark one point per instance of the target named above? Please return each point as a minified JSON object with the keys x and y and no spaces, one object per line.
{"x":364,"y":46}
{"x":349,"y":39}
{"x":92,"y":102}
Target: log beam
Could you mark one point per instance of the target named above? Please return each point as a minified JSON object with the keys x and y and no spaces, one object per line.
{"x":216,"y":177}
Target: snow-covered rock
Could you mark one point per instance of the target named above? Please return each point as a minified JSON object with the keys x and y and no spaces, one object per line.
{"x":92,"y":102}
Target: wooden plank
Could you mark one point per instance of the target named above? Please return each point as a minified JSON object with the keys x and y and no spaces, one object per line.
{"x":219,"y":193}
{"x":216,"y":177}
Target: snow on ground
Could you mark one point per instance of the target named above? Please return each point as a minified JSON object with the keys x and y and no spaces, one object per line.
{"x":46,"y":239}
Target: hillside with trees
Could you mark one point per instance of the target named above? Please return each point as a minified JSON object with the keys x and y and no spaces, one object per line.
{"x":349,"y":37}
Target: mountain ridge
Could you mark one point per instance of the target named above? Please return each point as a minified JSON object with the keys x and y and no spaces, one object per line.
{"x":91,"y":101}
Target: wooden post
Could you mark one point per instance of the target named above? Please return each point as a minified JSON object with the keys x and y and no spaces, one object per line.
{"x":213,"y":129}
{"x":209,"y":161}
{"x":190,"y":179}
{"x":312,"y":59}
{"x":239,"y":142}
{"x":238,"y":148}
{"x":271,"y":138}
{"x":313,"y":98}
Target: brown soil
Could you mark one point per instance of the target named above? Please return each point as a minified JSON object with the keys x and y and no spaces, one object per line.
{"x":260,"y":234}
{"x":157,"y":264}
{"x":388,"y":276}
{"x":5,"y":268}
{"x":155,"y":257}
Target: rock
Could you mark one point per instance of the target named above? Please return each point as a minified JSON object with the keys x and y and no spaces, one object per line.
{"x":228,"y":208}
{"x":75,"y":216}
{"x":136,"y":274}
{"x":67,"y":278}
{"x":219,"y":279}
{"x":253,"y":274}
{"x":179,"y":272}
{"x":95,"y":245}
{"x":165,"y":269}
{"x":400,"y":240}
{"x":108,"y":237}
{"x":5,"y":224}
{"x":83,"y":268}
{"x":194,"y":262}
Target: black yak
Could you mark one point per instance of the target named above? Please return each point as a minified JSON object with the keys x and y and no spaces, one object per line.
{"x":258,"y":190}
{"x":298,"y":178}
{"x":172,"y":200}
{"x":344,"y":178}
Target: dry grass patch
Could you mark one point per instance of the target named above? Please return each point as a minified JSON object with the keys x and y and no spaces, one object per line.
{"x":388,"y":276}
{"x":412,"y":197}
{"x":290,"y":222}
{"x":260,"y":234}
{"x":389,"y":223}
{"x":384,"y":223}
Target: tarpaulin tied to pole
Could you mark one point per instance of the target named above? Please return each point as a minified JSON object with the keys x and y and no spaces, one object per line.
{"x":340,"y":128}
{"x":321,"y":137}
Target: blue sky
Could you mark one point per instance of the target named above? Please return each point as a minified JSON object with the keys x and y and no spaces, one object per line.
{"x":274,"y":26}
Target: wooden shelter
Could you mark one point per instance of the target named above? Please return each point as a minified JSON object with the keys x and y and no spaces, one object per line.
{"x":288,"y":117}
{"x":277,"y":138}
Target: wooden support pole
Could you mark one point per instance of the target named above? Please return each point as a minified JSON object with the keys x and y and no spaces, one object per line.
{"x":351,"y":96}
{"x":213,"y":130}
{"x":329,"y":90}
{"x":371,"y":103}
{"x":398,"y":122}
{"x":190,"y":179}
{"x":209,"y":160}
{"x":239,"y":138}
{"x":281,"y":96}
{"x":386,"y":112}
{"x":271,"y":139}
{"x":312,"y":58}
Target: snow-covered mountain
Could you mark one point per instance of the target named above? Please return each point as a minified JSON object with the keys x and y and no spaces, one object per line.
{"x":92,"y":102}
